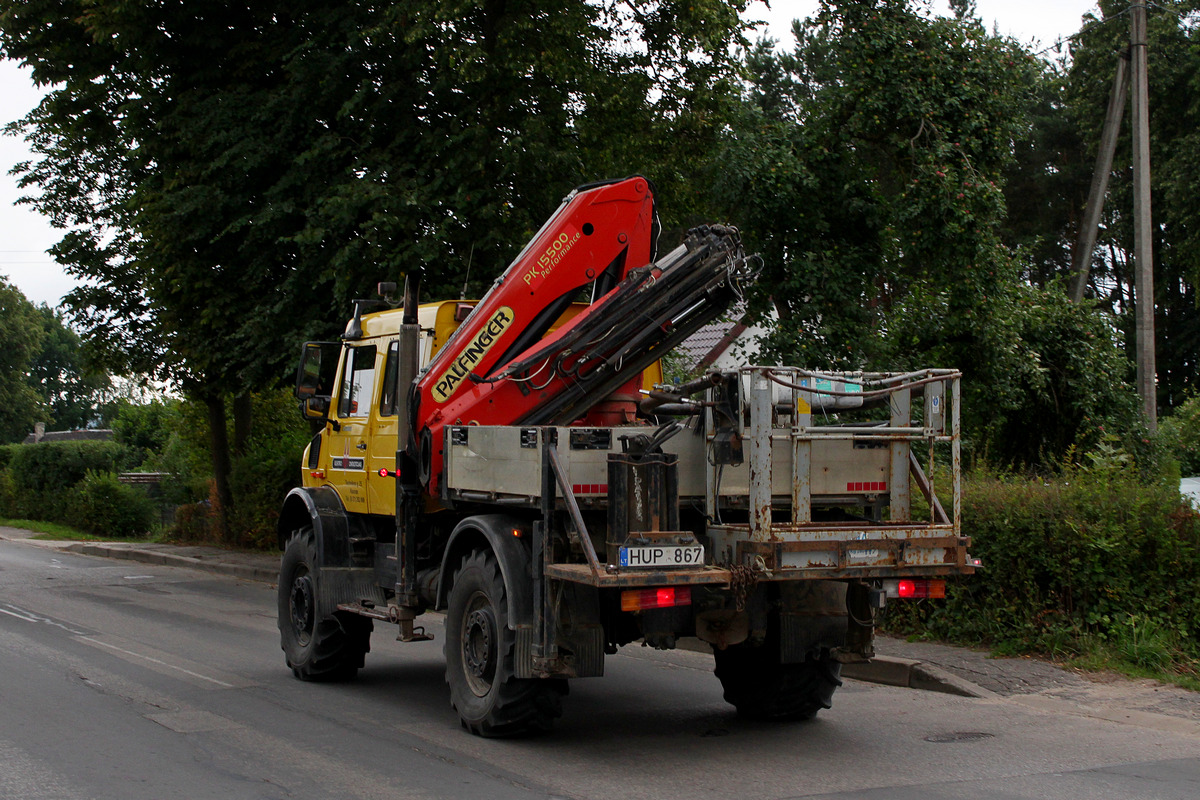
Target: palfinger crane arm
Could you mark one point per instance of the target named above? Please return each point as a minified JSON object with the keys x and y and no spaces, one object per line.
{"x":596,"y":236}
{"x":501,"y":368}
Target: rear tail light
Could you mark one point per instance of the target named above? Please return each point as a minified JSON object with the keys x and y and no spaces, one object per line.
{"x":915,"y":588}
{"x":661,"y":597}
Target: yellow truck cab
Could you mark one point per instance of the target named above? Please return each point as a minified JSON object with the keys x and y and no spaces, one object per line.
{"x":355,"y":453}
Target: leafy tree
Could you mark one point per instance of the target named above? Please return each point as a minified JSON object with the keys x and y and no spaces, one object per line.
{"x":229,"y":180}
{"x":44,"y":373}
{"x":867,"y":168}
{"x":146,"y":427}
{"x":21,"y":332}
{"x":875,"y":168}
{"x":71,"y":389}
{"x":1174,"y":59}
{"x":869,"y":165}
{"x":1072,"y":389}
{"x":1046,"y":184}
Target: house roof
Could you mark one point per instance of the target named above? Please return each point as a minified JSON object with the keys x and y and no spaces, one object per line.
{"x":700,"y":346}
{"x":96,"y":434}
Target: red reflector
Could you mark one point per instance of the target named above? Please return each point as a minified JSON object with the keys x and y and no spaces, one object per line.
{"x":921,"y":588}
{"x":662,"y":597}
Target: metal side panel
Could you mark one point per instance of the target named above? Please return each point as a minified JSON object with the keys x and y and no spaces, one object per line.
{"x":505,"y":460}
{"x":840,"y":467}
{"x":491,"y":458}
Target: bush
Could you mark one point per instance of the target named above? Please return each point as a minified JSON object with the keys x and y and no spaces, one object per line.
{"x":1094,"y":553}
{"x":8,"y":495}
{"x":146,"y":428}
{"x":51,"y":467}
{"x":1182,"y":432}
{"x":259,"y":477}
{"x":268,"y":470}
{"x":260,"y":480}
{"x":103,"y":506}
{"x":6,"y":451}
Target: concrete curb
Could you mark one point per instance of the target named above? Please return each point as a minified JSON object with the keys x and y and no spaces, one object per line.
{"x":888,"y":671}
{"x":244,"y":571}
{"x":906,"y":672}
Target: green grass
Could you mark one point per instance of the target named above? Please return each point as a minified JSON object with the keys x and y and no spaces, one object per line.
{"x":1181,"y":671}
{"x":54,"y":532}
{"x":1141,"y":651}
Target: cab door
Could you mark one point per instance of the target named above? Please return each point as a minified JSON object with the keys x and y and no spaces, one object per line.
{"x":347,"y":440}
{"x":382,"y":442}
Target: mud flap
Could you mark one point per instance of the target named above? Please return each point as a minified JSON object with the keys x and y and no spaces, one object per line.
{"x":812,"y":618}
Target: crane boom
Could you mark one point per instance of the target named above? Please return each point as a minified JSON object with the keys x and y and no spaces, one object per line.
{"x":500,"y":367}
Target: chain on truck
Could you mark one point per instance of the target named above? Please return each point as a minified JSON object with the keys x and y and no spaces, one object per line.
{"x":517,"y":463}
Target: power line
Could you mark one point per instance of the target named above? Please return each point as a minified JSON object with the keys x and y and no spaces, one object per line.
{"x":1090,"y":26}
{"x":1060,"y":41}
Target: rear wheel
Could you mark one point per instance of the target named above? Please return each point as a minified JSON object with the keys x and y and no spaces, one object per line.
{"x":759,"y":687}
{"x":480,"y":654}
{"x":317,"y":647}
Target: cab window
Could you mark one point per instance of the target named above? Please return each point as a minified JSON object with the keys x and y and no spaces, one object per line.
{"x":391,"y":368}
{"x":358,"y":382}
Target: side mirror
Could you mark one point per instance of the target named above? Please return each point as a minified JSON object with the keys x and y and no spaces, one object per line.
{"x":316,"y":409}
{"x":315,"y":376}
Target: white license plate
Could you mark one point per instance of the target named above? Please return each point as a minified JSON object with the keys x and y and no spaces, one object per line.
{"x":862,"y":555}
{"x":663,"y":556}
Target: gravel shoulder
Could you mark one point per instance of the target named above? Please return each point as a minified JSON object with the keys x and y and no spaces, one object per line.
{"x":1032,"y":679}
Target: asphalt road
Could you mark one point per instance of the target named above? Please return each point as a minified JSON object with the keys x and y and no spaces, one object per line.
{"x":125,"y":680}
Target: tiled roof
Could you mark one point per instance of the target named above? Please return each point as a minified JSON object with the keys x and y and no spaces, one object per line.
{"x":700,"y":344}
{"x":97,"y":434}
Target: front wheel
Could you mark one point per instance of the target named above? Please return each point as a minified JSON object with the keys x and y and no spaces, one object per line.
{"x":480,"y":654}
{"x":317,"y":647}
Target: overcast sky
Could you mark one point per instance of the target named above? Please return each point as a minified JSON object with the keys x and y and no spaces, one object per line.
{"x":25,"y":236}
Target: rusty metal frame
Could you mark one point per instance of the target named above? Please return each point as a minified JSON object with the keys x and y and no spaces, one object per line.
{"x":695,"y":576}
{"x":761,"y":542}
{"x":580,"y":532}
{"x":897,"y":553}
{"x":899,"y":434}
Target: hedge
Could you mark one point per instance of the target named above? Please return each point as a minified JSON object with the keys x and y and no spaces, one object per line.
{"x":50,"y":466}
{"x":101,"y":505}
{"x":1091,"y":554}
{"x":38,"y":481}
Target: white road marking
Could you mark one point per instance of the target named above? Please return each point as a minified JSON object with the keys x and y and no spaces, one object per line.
{"x":161,"y":663}
{"x":29,"y":616}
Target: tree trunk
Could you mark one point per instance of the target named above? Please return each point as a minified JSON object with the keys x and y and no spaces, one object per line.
{"x":782,"y":309}
{"x":241,"y":423}
{"x":219,"y":445}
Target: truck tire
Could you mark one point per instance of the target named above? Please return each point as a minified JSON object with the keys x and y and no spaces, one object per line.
{"x":317,"y":648}
{"x":480,"y":652}
{"x":761,"y":688}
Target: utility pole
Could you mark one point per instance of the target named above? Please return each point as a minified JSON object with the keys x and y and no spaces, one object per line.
{"x":1142,"y":242}
{"x":1086,"y":243}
